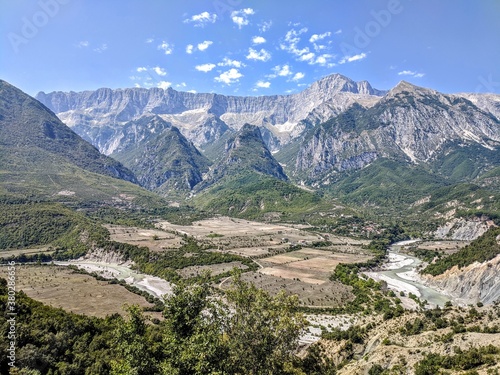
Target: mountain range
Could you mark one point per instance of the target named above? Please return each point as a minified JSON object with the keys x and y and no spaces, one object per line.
{"x":203,"y":118}
{"x":179,"y":141}
{"x":355,"y":143}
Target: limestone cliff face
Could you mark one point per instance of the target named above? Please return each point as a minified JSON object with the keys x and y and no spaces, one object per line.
{"x":95,"y":115}
{"x":101,"y":255}
{"x":335,"y":125}
{"x":487,"y":102}
{"x":471,"y":284}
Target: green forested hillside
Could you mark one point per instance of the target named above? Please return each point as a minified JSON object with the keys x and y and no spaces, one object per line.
{"x":244,"y":152}
{"x":165,"y":162}
{"x":482,"y":249}
{"x":464,"y":162}
{"x":252,"y":195}
{"x":41,"y":158}
{"x":28,"y":126}
{"x":387,"y":183}
{"x":25,"y":224}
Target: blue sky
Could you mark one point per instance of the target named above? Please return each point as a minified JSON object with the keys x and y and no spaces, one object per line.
{"x":245,"y":47}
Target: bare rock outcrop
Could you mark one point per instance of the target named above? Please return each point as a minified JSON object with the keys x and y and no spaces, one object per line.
{"x":478,"y":282}
{"x":101,"y":255}
{"x":461,"y":229}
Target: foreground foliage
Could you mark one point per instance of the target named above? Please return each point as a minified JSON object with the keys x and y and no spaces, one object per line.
{"x":248,"y":332}
{"x":434,"y":363}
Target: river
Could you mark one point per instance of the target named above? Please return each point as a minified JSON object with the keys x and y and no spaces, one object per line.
{"x":401,"y":275}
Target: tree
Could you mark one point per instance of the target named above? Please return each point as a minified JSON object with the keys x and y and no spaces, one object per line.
{"x":192,"y":333}
{"x":263,"y":331}
{"x":247,"y":332}
{"x":133,"y":346}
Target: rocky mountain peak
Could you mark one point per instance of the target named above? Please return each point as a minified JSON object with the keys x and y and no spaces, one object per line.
{"x":203,"y":118}
{"x":248,"y":133}
{"x":337,"y":83}
{"x":409,"y":89}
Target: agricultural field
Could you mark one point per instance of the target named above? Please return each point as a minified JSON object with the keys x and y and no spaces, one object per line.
{"x":17,"y":252}
{"x":447,"y":247}
{"x":328,"y":294}
{"x":78,"y":293}
{"x":289,"y":257}
{"x":312,"y":266}
{"x":155,"y":239}
{"x":306,"y":273}
{"x":214,"y":269}
{"x":235,"y":235}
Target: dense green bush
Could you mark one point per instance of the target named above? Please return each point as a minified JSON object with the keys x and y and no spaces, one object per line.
{"x":249,"y":332}
{"x":469,"y":359}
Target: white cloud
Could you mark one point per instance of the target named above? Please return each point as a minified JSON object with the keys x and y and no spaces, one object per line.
{"x":182,"y":84}
{"x":189,"y":48}
{"x":142,"y":69}
{"x":83,"y":44}
{"x":264,"y":26}
{"x":164,"y":85}
{"x":411,"y":73}
{"x":228,"y":62}
{"x":282,"y":71}
{"x":319,"y":47}
{"x":160,"y":71}
{"x":230,"y":76}
{"x":316,"y":37}
{"x":298,"y":76}
{"x":261,"y":55}
{"x":137,"y":85}
{"x":240,"y":17}
{"x":204,"y":45}
{"x":360,"y":56}
{"x":323,"y":59}
{"x":192,"y":91}
{"x":102,"y":48}
{"x":205,"y":67}
{"x":166,"y":47}
{"x":150,"y":40}
{"x":263,"y":84}
{"x":258,"y":40}
{"x":339,"y":31}
{"x":202,"y":19}
{"x":352,"y":58}
{"x":307,"y":57}
{"x":292,"y":39}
